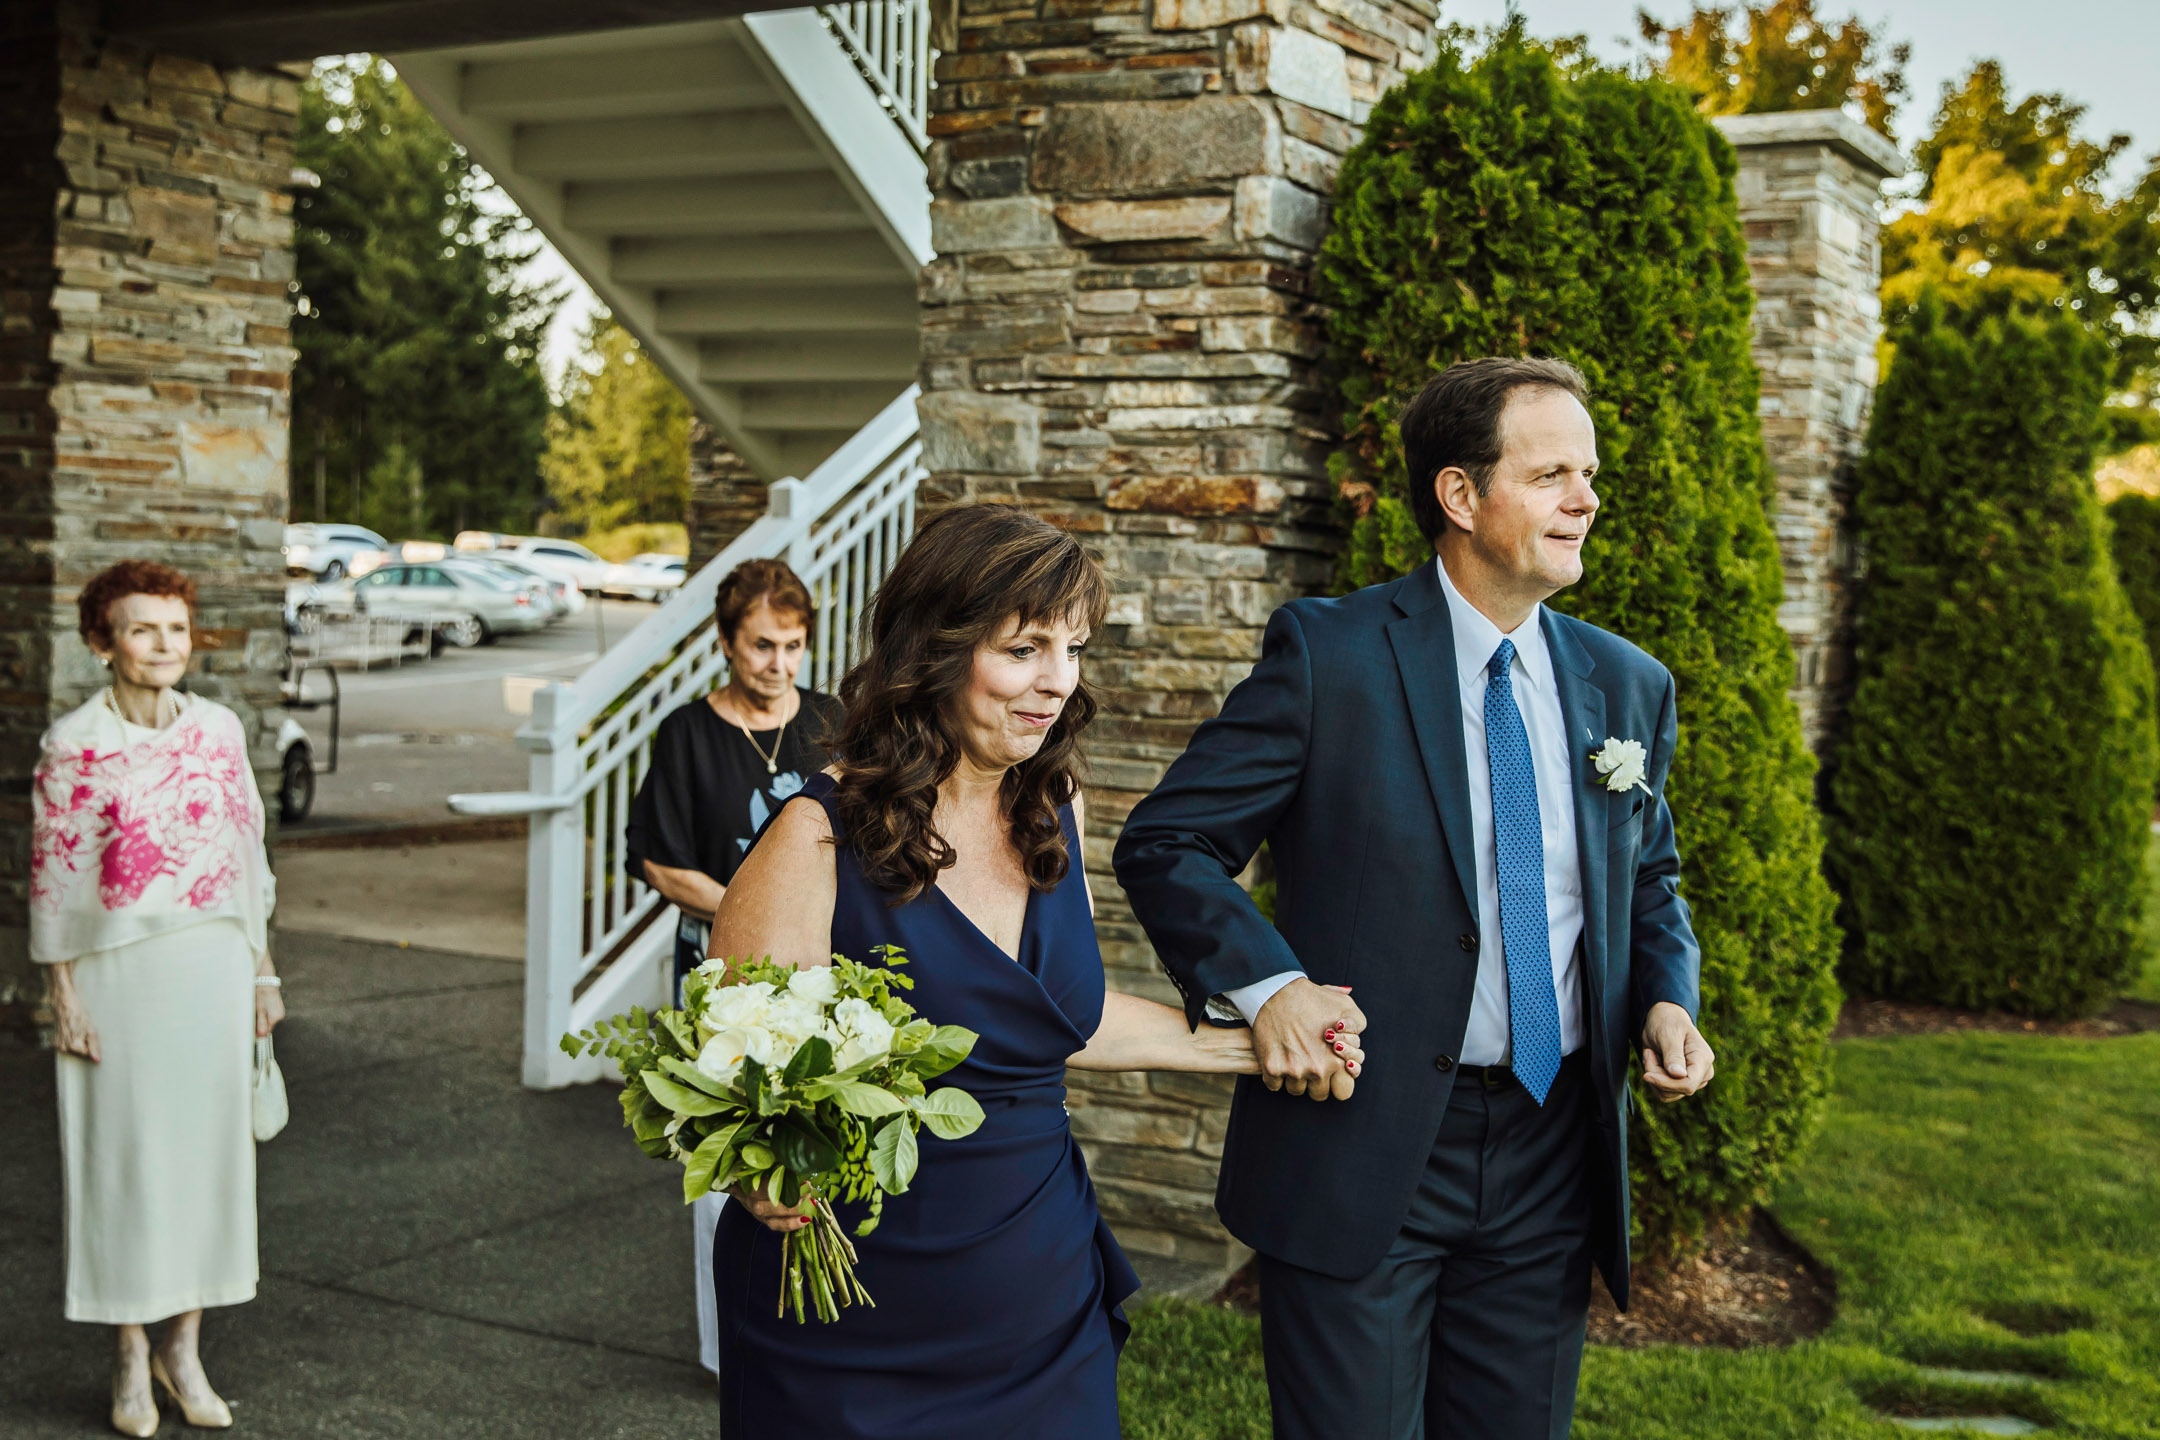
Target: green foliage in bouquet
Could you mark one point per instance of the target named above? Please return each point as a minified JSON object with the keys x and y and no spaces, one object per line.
{"x":1990,"y":802}
{"x":807,"y":1087}
{"x":1523,"y":201}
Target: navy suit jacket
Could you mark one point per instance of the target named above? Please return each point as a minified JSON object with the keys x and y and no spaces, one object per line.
{"x":1343,"y":751}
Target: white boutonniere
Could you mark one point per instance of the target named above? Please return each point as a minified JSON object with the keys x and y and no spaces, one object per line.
{"x":1621,"y":764}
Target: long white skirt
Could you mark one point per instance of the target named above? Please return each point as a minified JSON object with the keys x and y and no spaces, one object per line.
{"x":156,"y":1144}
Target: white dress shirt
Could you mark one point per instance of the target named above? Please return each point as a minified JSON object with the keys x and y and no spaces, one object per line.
{"x":1537,"y":697}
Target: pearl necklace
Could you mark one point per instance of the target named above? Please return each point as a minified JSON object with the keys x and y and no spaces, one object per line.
{"x":112,"y":703}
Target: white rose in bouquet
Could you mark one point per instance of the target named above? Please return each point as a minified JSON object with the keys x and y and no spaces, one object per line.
{"x":864,"y":1033}
{"x":792,"y":1020}
{"x":721,"y":1058}
{"x":818,"y":985}
{"x":738,"y":1005}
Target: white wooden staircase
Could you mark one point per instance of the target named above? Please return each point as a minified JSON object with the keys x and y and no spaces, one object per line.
{"x":746,"y":195}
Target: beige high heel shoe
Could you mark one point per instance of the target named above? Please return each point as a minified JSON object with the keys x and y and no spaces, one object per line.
{"x":140,"y":1422}
{"x":211,"y":1414}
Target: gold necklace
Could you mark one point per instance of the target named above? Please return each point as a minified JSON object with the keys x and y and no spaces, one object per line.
{"x":772,"y":761}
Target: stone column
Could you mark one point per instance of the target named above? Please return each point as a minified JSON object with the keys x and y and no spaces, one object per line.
{"x":726,"y":495}
{"x":1809,"y":184}
{"x":145,"y":360}
{"x":1118,"y":333}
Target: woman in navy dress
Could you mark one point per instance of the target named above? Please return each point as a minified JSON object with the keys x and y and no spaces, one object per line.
{"x":950,"y":827}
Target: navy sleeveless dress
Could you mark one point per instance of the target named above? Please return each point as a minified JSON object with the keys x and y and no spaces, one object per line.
{"x":998,"y":1285}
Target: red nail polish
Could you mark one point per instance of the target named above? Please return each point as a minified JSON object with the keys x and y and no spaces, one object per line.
{"x":1338,"y":1048}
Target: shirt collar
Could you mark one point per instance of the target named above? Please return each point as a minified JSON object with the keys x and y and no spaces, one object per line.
{"x":1476,"y":637}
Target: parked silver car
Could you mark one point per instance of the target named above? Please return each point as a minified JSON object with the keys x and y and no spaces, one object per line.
{"x":332,"y":552}
{"x":466,"y":605}
{"x":563,"y":595}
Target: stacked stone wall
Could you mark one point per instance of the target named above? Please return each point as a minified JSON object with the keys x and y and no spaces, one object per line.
{"x":146,"y":372}
{"x":726,"y":495}
{"x":1809,"y":187}
{"x":1119,"y":333}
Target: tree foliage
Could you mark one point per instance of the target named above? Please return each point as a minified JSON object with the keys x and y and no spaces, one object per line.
{"x":418,"y":403}
{"x":1989,"y":804}
{"x":2134,"y":540}
{"x":1511,"y":202}
{"x":1783,"y":57}
{"x":619,"y":443}
{"x":2014,"y":209}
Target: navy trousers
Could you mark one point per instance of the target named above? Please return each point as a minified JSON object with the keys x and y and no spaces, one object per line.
{"x":1471,"y":1327}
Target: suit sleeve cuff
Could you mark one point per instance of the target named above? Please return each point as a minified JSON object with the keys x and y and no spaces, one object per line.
{"x":1245,"y":1001}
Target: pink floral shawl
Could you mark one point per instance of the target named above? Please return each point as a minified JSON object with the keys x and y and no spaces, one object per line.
{"x":137,"y":835}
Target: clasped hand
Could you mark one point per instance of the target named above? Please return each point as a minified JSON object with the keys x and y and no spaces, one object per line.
{"x":1308,"y":1041}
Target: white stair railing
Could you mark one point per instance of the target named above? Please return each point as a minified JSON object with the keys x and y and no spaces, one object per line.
{"x":598,"y":940}
{"x":889,"y":41}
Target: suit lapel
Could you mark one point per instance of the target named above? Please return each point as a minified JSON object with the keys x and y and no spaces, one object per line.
{"x":1582,"y":711}
{"x":1424,"y":645}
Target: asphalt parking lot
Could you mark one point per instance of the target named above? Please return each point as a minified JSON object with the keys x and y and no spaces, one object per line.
{"x":412,"y":734}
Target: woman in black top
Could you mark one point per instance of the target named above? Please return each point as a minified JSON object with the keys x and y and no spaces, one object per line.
{"x":722,"y":764}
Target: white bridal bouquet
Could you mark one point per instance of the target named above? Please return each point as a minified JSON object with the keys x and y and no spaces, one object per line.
{"x":792,"y":1083}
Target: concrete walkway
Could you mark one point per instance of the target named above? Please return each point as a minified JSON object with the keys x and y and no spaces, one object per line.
{"x":445,"y":1254}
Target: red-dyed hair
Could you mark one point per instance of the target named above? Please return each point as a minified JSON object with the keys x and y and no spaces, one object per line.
{"x":117,"y":582}
{"x":753,"y":581}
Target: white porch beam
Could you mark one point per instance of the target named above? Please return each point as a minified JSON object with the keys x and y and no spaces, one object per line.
{"x":830,"y":259}
{"x":751,"y":205}
{"x":892,"y":358}
{"x":813,"y":407}
{"x":613,"y":84}
{"x":786,"y":310}
{"x":660,"y":147}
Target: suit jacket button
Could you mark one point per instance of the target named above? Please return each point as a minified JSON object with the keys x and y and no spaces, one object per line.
{"x":1468,"y":942}
{"x":1444,"y":1064}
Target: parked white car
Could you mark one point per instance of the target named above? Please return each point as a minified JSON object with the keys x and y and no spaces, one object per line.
{"x":649,"y":577}
{"x":332,"y":552}
{"x":466,"y":604}
{"x":563,"y":557}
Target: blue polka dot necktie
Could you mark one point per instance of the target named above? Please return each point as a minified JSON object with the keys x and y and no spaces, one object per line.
{"x":1519,"y":844}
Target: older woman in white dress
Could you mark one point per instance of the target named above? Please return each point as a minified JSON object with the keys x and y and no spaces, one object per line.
{"x":150,"y":896}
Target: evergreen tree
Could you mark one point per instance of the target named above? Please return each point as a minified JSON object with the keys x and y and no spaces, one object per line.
{"x":1990,"y":801}
{"x":619,"y":443}
{"x":418,"y":403}
{"x":1505,"y":204}
{"x":2015,"y":208}
{"x":2134,"y":536}
{"x":1788,"y":59}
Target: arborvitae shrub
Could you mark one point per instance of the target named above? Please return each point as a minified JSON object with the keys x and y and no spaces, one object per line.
{"x":2135,"y":540}
{"x":1990,"y":800}
{"x":1510,"y":203}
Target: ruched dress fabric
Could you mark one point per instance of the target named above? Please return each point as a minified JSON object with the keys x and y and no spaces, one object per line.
{"x":998,"y":1285}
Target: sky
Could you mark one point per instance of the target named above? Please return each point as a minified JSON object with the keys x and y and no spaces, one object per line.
{"x":2105,"y":53}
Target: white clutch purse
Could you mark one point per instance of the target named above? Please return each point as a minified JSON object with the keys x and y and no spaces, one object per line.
{"x":268,"y":1092}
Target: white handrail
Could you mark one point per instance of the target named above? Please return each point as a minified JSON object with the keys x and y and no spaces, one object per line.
{"x":588,"y":921}
{"x":889,"y":41}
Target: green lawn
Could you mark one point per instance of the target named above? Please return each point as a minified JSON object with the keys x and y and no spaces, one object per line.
{"x":1989,"y":1202}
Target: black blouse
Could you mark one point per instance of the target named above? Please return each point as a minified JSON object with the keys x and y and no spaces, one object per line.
{"x":708,"y":792}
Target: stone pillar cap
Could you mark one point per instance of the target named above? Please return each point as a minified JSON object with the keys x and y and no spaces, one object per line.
{"x":1834,"y":128}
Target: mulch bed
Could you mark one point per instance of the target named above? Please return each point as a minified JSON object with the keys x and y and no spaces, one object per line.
{"x":1748,"y":1287}
{"x":1863,"y":1019}
{"x":1753,"y":1286}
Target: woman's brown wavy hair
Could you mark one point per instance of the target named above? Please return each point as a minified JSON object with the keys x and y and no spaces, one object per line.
{"x":968,"y":575}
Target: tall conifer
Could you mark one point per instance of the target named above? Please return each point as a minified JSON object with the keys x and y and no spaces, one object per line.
{"x":1990,"y":799}
{"x":1510,"y":203}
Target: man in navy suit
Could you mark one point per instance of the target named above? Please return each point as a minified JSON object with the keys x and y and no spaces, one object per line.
{"x":1464,"y":797}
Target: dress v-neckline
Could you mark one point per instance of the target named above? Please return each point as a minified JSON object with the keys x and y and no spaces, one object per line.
{"x":1027,"y":923}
